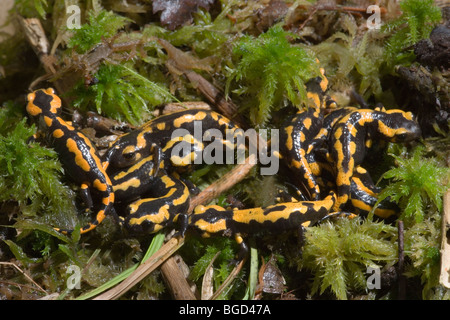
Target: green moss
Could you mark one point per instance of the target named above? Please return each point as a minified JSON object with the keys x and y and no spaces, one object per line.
{"x":269,"y":70}
{"x":417,"y":182}
{"x":100,"y":26}
{"x":338,"y":254}
{"x":352,"y":61}
{"x":418,"y":19}
{"x":29,"y":8}
{"x":422,"y":247}
{"x":121,"y":93}
{"x":204,"y":251}
{"x":30,"y":175}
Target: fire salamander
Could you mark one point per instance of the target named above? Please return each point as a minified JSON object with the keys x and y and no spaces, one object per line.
{"x":296,"y":147}
{"x":299,"y":136}
{"x":353,"y":133}
{"x":364,"y":196}
{"x":148,"y":198}
{"x":76,"y":153}
{"x":159,"y":133}
{"x":212,"y":220}
{"x":165,"y":204}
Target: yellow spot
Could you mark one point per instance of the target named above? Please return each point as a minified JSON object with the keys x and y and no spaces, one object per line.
{"x":314,"y":97}
{"x":188,"y":118}
{"x":161,"y":126}
{"x":100,"y":186}
{"x":352,"y":147}
{"x":277,"y":154}
{"x":65,"y":124}
{"x":296,"y":164}
{"x":108,"y":200}
{"x":361,"y":170}
{"x":141,"y":142}
{"x":129,"y":149}
{"x":324,"y":84}
{"x":338,"y":133}
{"x":289,"y":142}
{"x":55,"y":104}
{"x":183,"y":198}
{"x":215,"y":227}
{"x":48,"y":121}
{"x":157,"y":218}
{"x":167,"y":181}
{"x":58,"y":133}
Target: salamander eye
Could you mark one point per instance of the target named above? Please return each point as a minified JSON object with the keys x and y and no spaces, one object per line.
{"x":129,"y":156}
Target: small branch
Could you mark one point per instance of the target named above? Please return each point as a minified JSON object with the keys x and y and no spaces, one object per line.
{"x":176,"y":280}
{"x":227,"y":181}
{"x":143,"y":270}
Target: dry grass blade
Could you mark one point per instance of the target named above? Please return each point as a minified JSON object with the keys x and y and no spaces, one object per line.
{"x":444,"y":278}
{"x":207,"y":283}
{"x":26,"y":276}
{"x":229,"y":279}
{"x":143,"y":270}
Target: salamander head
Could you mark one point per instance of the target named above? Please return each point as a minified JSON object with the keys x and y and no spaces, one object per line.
{"x":400,"y":126}
{"x":43,"y":101}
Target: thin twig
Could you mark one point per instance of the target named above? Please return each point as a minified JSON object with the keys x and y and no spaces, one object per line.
{"x":401,"y":259}
{"x":227,"y":181}
{"x":228,"y":280}
{"x":26,"y":276}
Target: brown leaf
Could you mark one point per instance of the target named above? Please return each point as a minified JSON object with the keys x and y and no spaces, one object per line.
{"x":175,"y":13}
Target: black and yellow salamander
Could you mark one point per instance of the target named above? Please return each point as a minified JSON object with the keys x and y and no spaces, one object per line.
{"x":159,"y":133}
{"x":364,"y":197}
{"x":216,"y":220}
{"x":148,"y":198}
{"x":76,"y":153}
{"x":349,"y":141}
{"x":299,"y":136}
{"x":167,"y":203}
{"x":296,"y":148}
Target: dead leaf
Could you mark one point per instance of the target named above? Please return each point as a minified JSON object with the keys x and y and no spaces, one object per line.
{"x":175,"y":13}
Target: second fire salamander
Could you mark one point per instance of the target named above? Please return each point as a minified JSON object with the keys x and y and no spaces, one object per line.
{"x":355,"y":132}
{"x":76,"y":153}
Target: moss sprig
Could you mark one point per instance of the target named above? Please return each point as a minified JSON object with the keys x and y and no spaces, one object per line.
{"x":339,"y":253}
{"x":418,"y":19}
{"x":416,"y":183}
{"x":30,"y":175}
{"x":101,"y":25}
{"x":269,"y":70}
{"x":121,"y":93}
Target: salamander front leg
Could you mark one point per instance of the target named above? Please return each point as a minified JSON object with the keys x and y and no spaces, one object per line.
{"x":243,"y":248}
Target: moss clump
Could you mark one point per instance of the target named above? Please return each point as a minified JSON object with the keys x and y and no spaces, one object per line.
{"x":30,"y":175}
{"x":270,"y":69}
{"x":418,"y":19}
{"x":417,"y":183}
{"x":100,"y":26}
{"x":352,"y":60}
{"x":339,"y":253}
{"x":121,"y":93}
